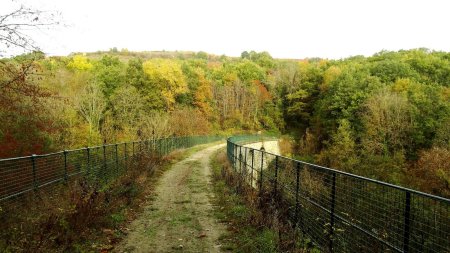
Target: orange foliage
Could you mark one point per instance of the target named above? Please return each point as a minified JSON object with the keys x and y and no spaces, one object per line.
{"x":263,"y":94}
{"x":203,"y":95}
{"x":432,"y":171}
{"x":188,"y":122}
{"x":25,"y":122}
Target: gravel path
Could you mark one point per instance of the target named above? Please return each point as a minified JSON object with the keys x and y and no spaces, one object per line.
{"x":180,"y":219}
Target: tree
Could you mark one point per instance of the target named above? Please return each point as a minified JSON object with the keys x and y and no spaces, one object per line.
{"x":341,"y":153}
{"x":136,"y":77}
{"x":245,"y":55}
{"x":20,"y":96}
{"x":188,"y":122}
{"x":263,"y":59}
{"x":135,"y":74}
{"x":297,"y":103}
{"x":91,"y":105}
{"x":387,"y":122}
{"x":155,"y":125}
{"x":203,"y":94}
{"x":79,"y":62}
{"x":168,"y":77}
{"x":432,"y":171}
{"x":15,"y":27}
{"x":110,"y":72}
{"x":248,"y":72}
{"x":127,"y":106}
{"x":21,"y":100}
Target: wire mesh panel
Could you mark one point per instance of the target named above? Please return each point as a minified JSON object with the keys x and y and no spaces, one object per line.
{"x":16,"y":177}
{"x":100,"y":164}
{"x":49,"y":168}
{"x":342,"y":212}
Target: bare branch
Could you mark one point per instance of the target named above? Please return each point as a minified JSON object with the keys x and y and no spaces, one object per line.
{"x":15,"y":28}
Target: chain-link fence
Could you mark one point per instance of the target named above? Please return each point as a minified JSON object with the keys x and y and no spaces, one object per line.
{"x":99,"y":164}
{"x":342,"y":212}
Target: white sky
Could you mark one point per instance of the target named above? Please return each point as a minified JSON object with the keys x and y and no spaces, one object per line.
{"x":286,"y":29}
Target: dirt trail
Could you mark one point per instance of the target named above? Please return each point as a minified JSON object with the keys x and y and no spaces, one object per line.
{"x":180,"y":219}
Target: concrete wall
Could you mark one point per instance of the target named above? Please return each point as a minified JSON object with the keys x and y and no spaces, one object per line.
{"x":269,"y":146}
{"x":244,"y":167}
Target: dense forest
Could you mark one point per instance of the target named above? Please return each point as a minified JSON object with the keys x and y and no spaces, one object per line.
{"x":386,"y":116}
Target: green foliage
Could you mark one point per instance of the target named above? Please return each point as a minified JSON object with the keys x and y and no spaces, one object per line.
{"x":166,"y":76}
{"x":248,"y":71}
{"x":149,"y":91}
{"x":384,"y":110}
{"x":341,"y":152}
{"x":109,"y":72}
{"x":263,"y":59}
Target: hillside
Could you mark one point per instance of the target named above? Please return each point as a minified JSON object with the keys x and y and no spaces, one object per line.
{"x":384,"y":116}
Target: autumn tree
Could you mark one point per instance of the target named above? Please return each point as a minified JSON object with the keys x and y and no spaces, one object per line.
{"x":127,"y":108}
{"x":388,"y":122}
{"x":23,"y":123}
{"x":203,"y":94}
{"x":91,"y":105}
{"x":80,"y":63}
{"x":341,"y":153}
{"x":168,"y":77}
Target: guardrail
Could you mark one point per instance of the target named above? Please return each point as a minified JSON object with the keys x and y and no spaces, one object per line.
{"x":99,"y":164}
{"x":342,"y":212}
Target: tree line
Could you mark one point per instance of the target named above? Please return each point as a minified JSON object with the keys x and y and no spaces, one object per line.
{"x":386,"y":116}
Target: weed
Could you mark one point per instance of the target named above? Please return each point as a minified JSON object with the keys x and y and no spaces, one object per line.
{"x":255,"y":223}
{"x":81,"y":216}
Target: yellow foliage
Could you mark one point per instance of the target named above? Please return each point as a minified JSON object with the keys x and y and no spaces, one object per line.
{"x":303,"y":64}
{"x":446,"y":93}
{"x":168,"y":77}
{"x":230,"y":78}
{"x":330,"y":75}
{"x":323,"y":62}
{"x":401,"y":85}
{"x":203,"y":95}
{"x":80,"y":62}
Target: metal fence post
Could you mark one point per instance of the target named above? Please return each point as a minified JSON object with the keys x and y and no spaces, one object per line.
{"x":406,"y":230}
{"x":240,"y":159}
{"x":166,"y":146}
{"x":33,"y":163}
{"x":65,"y":167}
{"x":88,"y":161}
{"x":276,"y":177}
{"x":117,"y":159}
{"x":133,"y":148}
{"x":261,"y":173}
{"x":253,"y":157}
{"x":245,"y":164}
{"x":297,"y":197}
{"x":104,"y":164}
{"x":234,"y":157}
{"x":333,"y":203}
{"x":126,"y":155}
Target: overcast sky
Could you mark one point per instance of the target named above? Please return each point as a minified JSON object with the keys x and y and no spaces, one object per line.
{"x":286,"y":29}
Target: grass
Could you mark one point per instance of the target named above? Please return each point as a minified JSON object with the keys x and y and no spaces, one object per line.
{"x":232,"y":209}
{"x":252,"y":227}
{"x":82,"y":217}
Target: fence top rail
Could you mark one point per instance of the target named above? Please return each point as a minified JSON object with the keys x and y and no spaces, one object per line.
{"x":100,"y":146}
{"x":439,"y":198}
